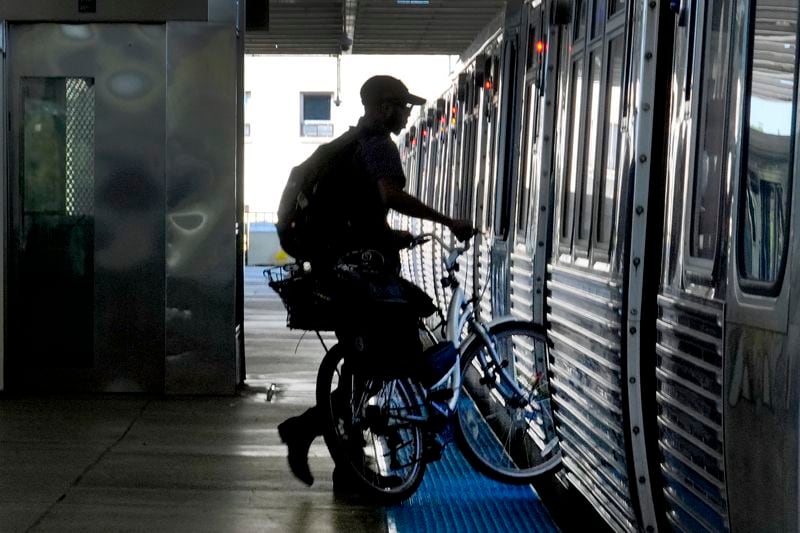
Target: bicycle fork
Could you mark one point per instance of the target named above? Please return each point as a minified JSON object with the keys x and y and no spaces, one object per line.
{"x":494,"y":366}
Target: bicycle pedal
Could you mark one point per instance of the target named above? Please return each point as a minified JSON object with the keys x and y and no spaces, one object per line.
{"x":432,"y":451}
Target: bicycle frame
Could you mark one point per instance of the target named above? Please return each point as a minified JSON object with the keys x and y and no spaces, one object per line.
{"x":460,"y":313}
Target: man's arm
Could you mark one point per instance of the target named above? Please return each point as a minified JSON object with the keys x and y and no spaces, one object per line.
{"x":396,"y":198}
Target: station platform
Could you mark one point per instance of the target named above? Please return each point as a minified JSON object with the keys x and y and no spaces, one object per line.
{"x":216,"y":464}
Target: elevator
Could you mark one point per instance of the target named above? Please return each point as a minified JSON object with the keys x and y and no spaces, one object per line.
{"x":120,"y":217}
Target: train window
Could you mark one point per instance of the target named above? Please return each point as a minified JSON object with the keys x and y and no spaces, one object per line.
{"x":58,"y":158}
{"x":710,"y":154}
{"x":579,"y":26}
{"x":590,"y":156}
{"x":608,"y":179}
{"x":533,"y":39}
{"x":528,"y":151}
{"x":489,"y":202}
{"x":598,"y":17}
{"x":615,"y":6}
{"x":568,"y":195}
{"x":504,"y":176}
{"x":469,"y":169}
{"x":768,"y":158}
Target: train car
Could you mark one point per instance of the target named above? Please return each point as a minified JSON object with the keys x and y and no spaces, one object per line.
{"x":631,"y":166}
{"x":726,"y":387}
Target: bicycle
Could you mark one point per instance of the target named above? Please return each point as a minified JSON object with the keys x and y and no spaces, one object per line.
{"x":494,"y":387}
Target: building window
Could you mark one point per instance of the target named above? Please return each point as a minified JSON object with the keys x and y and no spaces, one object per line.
{"x":247,"y":97}
{"x":315,"y":117}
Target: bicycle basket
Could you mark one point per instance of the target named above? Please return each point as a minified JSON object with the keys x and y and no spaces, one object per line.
{"x":308,"y":304}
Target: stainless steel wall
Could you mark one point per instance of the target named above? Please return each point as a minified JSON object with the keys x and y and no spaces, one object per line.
{"x":3,"y":111}
{"x":126,"y":63}
{"x":164,"y":202}
{"x":106,"y":10}
{"x":200,"y":208}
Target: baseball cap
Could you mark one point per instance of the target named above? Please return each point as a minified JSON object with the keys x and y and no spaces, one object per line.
{"x":383,"y":88}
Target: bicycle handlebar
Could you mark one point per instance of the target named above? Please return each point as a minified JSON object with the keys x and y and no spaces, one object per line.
{"x":453,"y":253}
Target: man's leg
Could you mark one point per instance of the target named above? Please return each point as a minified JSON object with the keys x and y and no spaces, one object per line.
{"x":298,"y":433}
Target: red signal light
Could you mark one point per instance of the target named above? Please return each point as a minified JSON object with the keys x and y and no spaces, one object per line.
{"x":540,"y":46}
{"x":488,"y":85}
{"x":424,"y":133}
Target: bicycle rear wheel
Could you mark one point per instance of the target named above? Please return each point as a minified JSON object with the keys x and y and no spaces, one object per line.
{"x":511,"y":441}
{"x":372,"y":429}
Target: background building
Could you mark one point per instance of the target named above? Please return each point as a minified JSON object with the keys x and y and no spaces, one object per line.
{"x":295,"y":103}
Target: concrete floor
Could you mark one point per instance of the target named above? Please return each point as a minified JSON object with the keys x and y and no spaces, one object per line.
{"x":215,"y":464}
{"x":193,"y":464}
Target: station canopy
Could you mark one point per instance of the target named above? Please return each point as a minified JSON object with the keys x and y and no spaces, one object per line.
{"x":330,"y":27}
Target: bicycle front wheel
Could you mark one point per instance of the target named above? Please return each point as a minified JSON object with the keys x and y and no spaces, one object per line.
{"x":507,"y":433}
{"x":372,"y":428}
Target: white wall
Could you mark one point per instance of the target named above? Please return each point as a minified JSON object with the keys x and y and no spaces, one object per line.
{"x":273,"y":111}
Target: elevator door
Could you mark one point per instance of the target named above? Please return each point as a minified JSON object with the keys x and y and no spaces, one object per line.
{"x":86,"y":203}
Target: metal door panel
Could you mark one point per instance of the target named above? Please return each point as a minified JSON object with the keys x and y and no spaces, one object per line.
{"x":125,"y":65}
{"x":200,"y":187}
{"x":3,"y":206}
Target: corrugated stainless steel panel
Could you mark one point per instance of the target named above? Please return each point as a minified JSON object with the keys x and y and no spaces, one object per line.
{"x":300,"y":27}
{"x":583,"y":481}
{"x":499,"y":283}
{"x":587,"y":376}
{"x":428,"y":278}
{"x":521,"y":285}
{"x":690,"y":388}
{"x":484,"y":275}
{"x":439,"y":27}
{"x":380,"y":27}
{"x":201,"y":240}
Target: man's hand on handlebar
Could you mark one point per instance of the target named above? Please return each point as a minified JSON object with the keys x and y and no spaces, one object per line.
{"x":403,"y":239}
{"x":462,"y":229}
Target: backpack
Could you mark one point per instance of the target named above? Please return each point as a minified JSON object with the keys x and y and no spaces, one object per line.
{"x":312,"y":207}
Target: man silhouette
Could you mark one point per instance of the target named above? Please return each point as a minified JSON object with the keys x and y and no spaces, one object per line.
{"x":375,"y":185}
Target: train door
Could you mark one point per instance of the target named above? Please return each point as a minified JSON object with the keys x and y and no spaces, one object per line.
{"x":487,"y":74}
{"x":468,"y":124}
{"x":608,"y":57}
{"x":760,"y":401}
{"x":529,"y":254}
{"x":85,"y":210}
{"x":502,"y":178}
{"x":692,"y":300}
